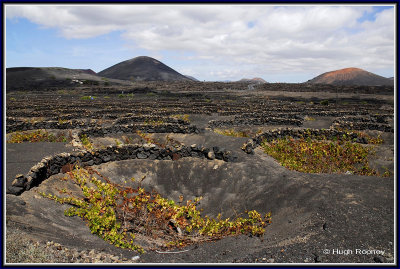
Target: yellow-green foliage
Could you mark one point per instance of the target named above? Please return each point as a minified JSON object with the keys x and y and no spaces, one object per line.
{"x":184,"y":117}
{"x":146,"y":137}
{"x":86,"y":142}
{"x":370,"y":139}
{"x":128,"y":95}
{"x":97,"y":208}
{"x":61,"y":121}
{"x":231,"y":132}
{"x":308,"y":118}
{"x":315,"y":156}
{"x":88,"y":97}
{"x":153,"y":122}
{"x":36,"y":136}
{"x":117,"y":142}
{"x":116,"y":213}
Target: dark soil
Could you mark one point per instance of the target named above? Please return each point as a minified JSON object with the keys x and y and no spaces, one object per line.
{"x":326,"y":218}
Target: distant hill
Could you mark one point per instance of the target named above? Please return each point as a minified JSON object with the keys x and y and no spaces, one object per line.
{"x":36,"y":78}
{"x":143,"y":68}
{"x":256,"y":80}
{"x":351,"y":76}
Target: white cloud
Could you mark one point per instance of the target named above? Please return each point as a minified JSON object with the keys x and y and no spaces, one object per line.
{"x":285,"y":38}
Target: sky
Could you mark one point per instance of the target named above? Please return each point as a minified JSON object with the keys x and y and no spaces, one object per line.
{"x":291,"y":43}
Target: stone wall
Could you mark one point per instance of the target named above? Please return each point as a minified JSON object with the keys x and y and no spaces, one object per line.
{"x":132,"y":128}
{"x":52,"y":165}
{"x":13,"y":125}
{"x":171,"y":125}
{"x":136,"y":119}
{"x":352,"y":125}
{"x":254,"y":121}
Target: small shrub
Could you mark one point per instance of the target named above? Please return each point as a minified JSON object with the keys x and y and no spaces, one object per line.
{"x":36,"y":136}
{"x":127,"y":139}
{"x":374,"y":140}
{"x":61,"y":121}
{"x":88,"y":97}
{"x":308,"y":118}
{"x":86,"y":142}
{"x":181,"y":117}
{"x":117,"y":142}
{"x":313,"y":156}
{"x":148,"y":139}
{"x":153,"y":122}
{"x":128,"y":95}
{"x":324,"y":102}
{"x":62,"y":92}
{"x":231,"y":132}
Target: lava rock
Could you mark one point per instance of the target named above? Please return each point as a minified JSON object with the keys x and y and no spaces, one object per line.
{"x":141,"y":155}
{"x":211,"y":155}
{"x":19,"y":181}
{"x":15,"y":190}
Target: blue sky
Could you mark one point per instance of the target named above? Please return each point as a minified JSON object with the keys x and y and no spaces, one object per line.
{"x":218,"y":42}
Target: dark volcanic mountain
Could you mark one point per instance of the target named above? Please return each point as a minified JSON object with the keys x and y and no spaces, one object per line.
{"x":351,"y":76}
{"x":143,"y":68}
{"x":36,"y":78}
{"x":192,"y":78}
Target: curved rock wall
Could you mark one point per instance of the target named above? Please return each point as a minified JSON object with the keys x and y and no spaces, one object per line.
{"x":52,"y":165}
